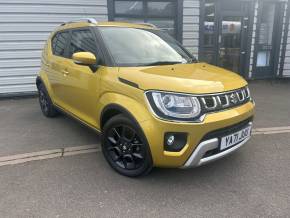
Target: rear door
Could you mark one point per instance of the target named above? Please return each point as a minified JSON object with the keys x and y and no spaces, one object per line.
{"x":57,"y":65}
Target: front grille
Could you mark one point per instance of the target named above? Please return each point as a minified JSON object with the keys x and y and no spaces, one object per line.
{"x":225,"y":100}
{"x":227,"y":130}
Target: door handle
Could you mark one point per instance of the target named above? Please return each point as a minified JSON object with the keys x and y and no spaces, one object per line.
{"x":46,"y":64}
{"x":65,"y":72}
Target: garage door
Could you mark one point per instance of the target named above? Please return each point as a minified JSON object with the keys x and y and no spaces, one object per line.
{"x":24,"y":26}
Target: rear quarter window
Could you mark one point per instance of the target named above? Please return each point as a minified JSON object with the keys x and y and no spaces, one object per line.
{"x":59,"y":42}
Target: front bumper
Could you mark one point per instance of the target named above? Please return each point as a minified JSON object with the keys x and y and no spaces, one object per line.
{"x":197,"y":133}
{"x":198,"y":157}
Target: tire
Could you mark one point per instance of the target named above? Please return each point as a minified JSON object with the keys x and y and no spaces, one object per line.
{"x":125,"y":147}
{"x":45,"y":102}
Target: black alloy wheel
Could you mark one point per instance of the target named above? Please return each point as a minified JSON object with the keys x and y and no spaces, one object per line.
{"x":45,"y":103}
{"x":125,"y":147}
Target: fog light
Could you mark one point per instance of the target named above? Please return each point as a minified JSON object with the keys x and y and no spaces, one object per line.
{"x":170,"y":140}
{"x":174,"y":141}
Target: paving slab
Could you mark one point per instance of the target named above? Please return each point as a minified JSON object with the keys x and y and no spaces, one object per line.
{"x":252,"y":182}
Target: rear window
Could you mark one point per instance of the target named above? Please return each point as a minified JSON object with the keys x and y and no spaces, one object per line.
{"x":59,"y":43}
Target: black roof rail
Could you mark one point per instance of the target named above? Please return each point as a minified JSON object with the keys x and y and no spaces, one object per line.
{"x":88,"y":20}
{"x":148,"y":24}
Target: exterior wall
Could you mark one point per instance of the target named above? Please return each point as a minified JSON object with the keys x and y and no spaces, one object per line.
{"x":281,"y":50}
{"x":24,"y":26}
{"x":190,"y":37}
{"x":286,"y":64}
{"x":253,"y":39}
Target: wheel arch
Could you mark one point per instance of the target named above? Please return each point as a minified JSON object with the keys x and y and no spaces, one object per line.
{"x":112,"y":110}
{"x":39,"y":81}
{"x":43,"y":79}
{"x":111,"y":104}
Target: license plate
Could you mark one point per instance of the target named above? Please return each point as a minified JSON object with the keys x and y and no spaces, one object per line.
{"x":235,"y":138}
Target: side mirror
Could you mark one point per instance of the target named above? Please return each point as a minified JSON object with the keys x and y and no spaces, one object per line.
{"x":84,"y":58}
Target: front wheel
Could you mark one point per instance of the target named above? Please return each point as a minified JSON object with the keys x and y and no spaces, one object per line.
{"x":125,"y":147}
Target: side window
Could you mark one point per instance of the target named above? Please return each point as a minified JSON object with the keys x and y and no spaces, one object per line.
{"x":82,"y":41}
{"x":59,"y":43}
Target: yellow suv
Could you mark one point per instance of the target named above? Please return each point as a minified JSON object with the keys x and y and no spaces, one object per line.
{"x":154,"y":104}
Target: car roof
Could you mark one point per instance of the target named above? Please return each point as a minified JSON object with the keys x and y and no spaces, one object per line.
{"x":71,"y":25}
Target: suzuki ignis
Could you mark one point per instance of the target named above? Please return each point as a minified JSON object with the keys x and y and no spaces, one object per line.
{"x":154,"y":104}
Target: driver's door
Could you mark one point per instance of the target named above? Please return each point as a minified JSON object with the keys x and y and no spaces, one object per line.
{"x":82,"y":83}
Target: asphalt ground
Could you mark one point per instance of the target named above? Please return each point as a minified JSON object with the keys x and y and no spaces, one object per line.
{"x":272,"y":102}
{"x":24,"y":129}
{"x":252,"y":182}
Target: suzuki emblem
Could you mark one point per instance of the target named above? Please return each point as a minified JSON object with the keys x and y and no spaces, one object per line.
{"x":234,"y":98}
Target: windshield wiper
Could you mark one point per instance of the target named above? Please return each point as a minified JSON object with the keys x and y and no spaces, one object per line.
{"x":162,"y":63}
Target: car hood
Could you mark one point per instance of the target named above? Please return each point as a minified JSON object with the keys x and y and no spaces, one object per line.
{"x":196,"y":78}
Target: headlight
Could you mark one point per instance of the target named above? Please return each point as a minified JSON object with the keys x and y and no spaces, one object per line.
{"x":174,"y":106}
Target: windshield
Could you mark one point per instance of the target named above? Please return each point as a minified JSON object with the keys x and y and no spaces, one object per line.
{"x":143,"y":47}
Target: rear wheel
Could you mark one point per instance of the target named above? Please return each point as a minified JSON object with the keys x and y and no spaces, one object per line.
{"x":45,"y":102}
{"x":125,"y":147}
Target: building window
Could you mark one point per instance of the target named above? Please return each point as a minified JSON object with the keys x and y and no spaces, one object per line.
{"x":268,"y":38}
{"x":163,"y":13}
{"x":265,"y":35}
{"x":209,"y":31}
